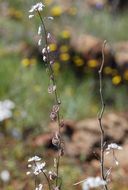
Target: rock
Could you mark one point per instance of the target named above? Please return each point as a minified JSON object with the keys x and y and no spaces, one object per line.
{"x":115,"y":126}
{"x":90,"y":125}
{"x":121,"y":53}
{"x":86,"y":43}
{"x":67,"y":129}
{"x":112,"y":122}
{"x":82,"y":138}
{"x":42,"y":139}
{"x":83,"y":141}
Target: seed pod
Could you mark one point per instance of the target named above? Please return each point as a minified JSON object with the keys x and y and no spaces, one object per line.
{"x":56,"y":140}
{"x":55,"y":108}
{"x":62,"y":124}
{"x":52,"y":175}
{"x":51,"y":89}
{"x":53,"y":116}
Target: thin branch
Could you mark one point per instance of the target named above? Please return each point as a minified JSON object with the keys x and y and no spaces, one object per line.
{"x":47,"y":179}
{"x":100,"y":116}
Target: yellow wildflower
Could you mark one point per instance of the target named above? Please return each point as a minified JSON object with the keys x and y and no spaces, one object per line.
{"x":65,"y":34}
{"x":64,"y":57}
{"x":125,"y":75}
{"x":93,"y":63}
{"x":56,"y":11}
{"x":78,"y":61}
{"x":107,"y":70}
{"x":25,"y":62}
{"x":53,"y":47}
{"x":64,"y":48}
{"x":116,"y":79}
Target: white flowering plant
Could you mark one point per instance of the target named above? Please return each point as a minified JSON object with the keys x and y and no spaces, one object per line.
{"x":36,"y":167}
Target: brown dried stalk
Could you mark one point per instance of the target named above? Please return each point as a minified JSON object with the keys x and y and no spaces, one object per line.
{"x":100,"y":116}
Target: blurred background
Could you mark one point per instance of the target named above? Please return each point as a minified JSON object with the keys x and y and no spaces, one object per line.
{"x":79,"y":29}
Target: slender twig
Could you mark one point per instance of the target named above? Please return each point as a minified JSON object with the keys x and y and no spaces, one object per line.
{"x":57,"y":168}
{"x":100,"y":116}
{"x":47,"y":179}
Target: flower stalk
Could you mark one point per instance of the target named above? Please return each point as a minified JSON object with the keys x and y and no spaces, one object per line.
{"x":55,"y":113}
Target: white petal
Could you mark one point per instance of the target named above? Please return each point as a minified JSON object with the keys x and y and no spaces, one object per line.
{"x":39,"y":42}
{"x":30,"y":16}
{"x":50,"y":18}
{"x":39,"y":30}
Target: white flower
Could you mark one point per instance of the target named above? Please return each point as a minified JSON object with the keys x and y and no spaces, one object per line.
{"x":48,"y":49}
{"x":30,"y":16}
{"x":113,"y":146}
{"x":48,"y":35}
{"x":37,"y":7}
{"x":6,"y":107}
{"x":44,"y":58}
{"x":28,"y":173}
{"x":93,"y":182}
{"x":39,"y":42}
{"x":5,"y":175}
{"x":5,"y":114}
{"x":34,"y":158}
{"x":8,"y":104}
{"x":44,"y":50}
{"x":40,"y":187}
{"x":50,"y":18}
{"x":36,"y":167}
{"x":39,"y":30}
{"x":39,"y":168}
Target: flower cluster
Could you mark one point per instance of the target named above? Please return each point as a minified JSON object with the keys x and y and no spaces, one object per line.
{"x":37,"y":7}
{"x":40,"y":187}
{"x":111,"y":148}
{"x":93,"y":182}
{"x":6,"y":107}
{"x":36,"y":166}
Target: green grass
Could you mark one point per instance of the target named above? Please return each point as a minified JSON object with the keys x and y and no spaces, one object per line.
{"x":27,"y":87}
